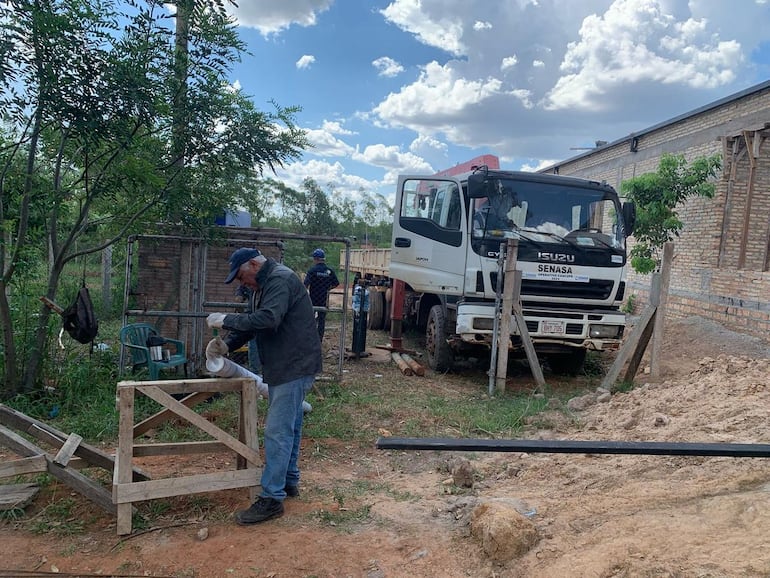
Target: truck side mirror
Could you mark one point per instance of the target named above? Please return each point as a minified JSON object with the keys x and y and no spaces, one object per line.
{"x":629,"y":216}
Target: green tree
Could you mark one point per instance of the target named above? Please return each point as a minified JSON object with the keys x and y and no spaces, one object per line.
{"x":88,"y":89}
{"x":658,"y":195}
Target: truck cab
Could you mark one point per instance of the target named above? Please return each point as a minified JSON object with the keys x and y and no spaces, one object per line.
{"x":571,"y":233}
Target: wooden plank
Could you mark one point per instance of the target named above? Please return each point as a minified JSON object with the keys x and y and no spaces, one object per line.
{"x":123,"y":459}
{"x":656,"y":351}
{"x":67,"y":450}
{"x":30,"y":465}
{"x":75,"y":480}
{"x":636,"y":359}
{"x":55,"y":438}
{"x":212,"y":482}
{"x":200,"y":422}
{"x":15,"y":496}
{"x":629,"y":348}
{"x":248,"y":429}
{"x":504,"y":327}
{"x":178,"y":448}
{"x":166,"y":414}
{"x":212,"y":385}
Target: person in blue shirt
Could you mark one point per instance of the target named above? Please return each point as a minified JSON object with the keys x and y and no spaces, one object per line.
{"x":319,"y":280}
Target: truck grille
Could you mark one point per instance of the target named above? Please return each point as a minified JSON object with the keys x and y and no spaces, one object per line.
{"x":598,"y":289}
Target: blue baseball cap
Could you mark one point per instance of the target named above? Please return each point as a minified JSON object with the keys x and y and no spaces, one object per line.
{"x":319,"y":254}
{"x":237,"y":259}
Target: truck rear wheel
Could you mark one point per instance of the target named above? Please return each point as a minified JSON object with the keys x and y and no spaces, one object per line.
{"x":440,"y":357}
{"x":570,"y":363}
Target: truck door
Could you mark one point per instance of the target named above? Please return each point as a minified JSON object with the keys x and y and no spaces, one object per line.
{"x":429,"y":234}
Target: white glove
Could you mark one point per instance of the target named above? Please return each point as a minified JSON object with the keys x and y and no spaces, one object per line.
{"x":215,"y":320}
{"x":216,"y":348}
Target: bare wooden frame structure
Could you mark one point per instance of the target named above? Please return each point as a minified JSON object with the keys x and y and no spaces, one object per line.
{"x":126,"y":491}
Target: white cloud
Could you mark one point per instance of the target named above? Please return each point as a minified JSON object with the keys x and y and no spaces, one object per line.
{"x":438,"y":93}
{"x":509,"y":62}
{"x":443,"y":31}
{"x":335,"y":127}
{"x":533,"y":168}
{"x":270,"y":17}
{"x":635,"y":41}
{"x":305,"y":61}
{"x":327,"y":175}
{"x":325,"y":144}
{"x":391,"y":157}
{"x":425,"y":145}
{"x":479,"y":25}
{"x":387,"y":66}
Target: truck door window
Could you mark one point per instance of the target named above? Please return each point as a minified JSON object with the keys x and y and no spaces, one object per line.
{"x":438,"y":201}
{"x":432,"y":208}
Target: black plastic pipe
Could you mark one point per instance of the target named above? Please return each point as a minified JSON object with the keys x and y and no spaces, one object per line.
{"x":577,"y":447}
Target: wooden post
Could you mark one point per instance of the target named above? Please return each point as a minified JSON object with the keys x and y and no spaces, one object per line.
{"x":660,"y":316}
{"x":124,"y":455}
{"x":504,"y":334}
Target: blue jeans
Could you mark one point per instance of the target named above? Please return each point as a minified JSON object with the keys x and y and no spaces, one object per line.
{"x":283,"y":433}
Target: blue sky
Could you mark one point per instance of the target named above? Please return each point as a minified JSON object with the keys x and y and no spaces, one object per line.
{"x":405,"y":86}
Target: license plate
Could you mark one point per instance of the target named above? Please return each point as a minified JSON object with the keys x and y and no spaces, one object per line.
{"x":552,"y":327}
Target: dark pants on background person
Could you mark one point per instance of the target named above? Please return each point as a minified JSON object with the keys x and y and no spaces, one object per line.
{"x":320,"y":317}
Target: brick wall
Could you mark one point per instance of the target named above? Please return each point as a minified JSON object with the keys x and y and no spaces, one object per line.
{"x":721,"y":259}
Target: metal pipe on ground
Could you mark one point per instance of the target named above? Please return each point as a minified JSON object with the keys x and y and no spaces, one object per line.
{"x":577,"y":447}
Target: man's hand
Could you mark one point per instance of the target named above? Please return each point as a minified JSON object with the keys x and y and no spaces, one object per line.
{"x":215,"y":320}
{"x":216,"y":348}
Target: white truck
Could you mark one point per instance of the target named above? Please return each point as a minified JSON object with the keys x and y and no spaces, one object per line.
{"x":447,"y":233}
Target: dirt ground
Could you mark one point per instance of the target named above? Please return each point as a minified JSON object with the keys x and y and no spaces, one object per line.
{"x":595,"y":515}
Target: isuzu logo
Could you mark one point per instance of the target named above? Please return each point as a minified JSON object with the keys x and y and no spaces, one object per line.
{"x":555,"y":257}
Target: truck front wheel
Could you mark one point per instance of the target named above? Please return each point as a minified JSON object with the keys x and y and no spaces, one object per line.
{"x":440,"y":356}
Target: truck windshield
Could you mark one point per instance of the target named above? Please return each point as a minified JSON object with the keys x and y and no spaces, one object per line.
{"x":549,"y":213}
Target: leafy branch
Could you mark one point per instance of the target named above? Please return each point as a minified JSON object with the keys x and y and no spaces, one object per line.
{"x":657,"y":196}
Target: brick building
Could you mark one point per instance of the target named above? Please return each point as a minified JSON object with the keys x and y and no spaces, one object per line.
{"x":722,"y":258}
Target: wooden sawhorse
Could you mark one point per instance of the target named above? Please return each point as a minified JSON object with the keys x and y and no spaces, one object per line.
{"x":125,"y":491}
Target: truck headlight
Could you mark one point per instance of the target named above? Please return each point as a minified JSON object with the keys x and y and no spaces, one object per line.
{"x":483,"y":323}
{"x":604,"y":331}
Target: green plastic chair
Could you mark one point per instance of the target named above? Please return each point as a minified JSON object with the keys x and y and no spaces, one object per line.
{"x":134,"y":337}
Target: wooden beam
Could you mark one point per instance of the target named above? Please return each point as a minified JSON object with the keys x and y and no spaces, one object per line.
{"x":67,"y":450}
{"x":630,"y":348}
{"x":661,"y":301}
{"x":178,"y":448}
{"x":166,"y":414}
{"x":200,"y":422}
{"x":167,"y":487}
{"x":55,"y":438}
{"x":75,"y":480}
{"x":30,"y":465}
{"x":15,"y":496}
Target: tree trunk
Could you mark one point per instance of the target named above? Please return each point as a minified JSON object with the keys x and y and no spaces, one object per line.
{"x":37,"y":353}
{"x":10,"y":381}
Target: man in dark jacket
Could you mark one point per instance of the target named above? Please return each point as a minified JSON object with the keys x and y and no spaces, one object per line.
{"x":320,"y":279}
{"x":281,"y":319}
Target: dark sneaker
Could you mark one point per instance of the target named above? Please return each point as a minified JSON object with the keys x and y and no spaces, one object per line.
{"x":291,"y":491}
{"x":260,"y":511}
